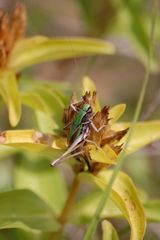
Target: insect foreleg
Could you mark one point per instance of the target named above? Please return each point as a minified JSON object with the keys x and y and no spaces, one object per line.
{"x":73,"y":107}
{"x":95,"y":128}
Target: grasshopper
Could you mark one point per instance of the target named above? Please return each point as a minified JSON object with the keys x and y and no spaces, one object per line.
{"x":79,"y":131}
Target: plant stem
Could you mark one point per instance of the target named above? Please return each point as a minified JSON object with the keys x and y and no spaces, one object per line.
{"x":94,"y":222}
{"x":69,"y":202}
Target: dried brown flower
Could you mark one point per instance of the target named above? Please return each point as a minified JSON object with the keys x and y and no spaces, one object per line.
{"x":105,"y":136}
{"x":11,"y":30}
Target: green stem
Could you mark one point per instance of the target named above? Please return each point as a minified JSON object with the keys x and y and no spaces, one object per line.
{"x":92,"y":227}
{"x":69,"y":202}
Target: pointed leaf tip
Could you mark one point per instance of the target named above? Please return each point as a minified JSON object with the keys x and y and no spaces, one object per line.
{"x":10,"y":94}
{"x":108,"y":231}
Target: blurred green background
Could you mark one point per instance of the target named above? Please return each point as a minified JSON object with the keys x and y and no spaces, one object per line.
{"x":118,"y":79}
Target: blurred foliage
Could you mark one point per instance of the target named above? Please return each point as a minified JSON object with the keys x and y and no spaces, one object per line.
{"x":126,"y":18}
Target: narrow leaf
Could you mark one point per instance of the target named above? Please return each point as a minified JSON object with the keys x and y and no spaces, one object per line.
{"x":30,"y":140}
{"x":125,"y":196}
{"x":10,"y":94}
{"x":41,"y":49}
{"x":27,"y":209}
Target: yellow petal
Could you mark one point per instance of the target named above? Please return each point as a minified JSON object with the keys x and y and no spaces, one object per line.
{"x":88,"y":86}
{"x":60,"y":143}
{"x":116,"y":112}
{"x":103,"y":155}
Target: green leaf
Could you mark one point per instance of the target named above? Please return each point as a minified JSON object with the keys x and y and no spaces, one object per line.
{"x":83,"y":210}
{"x":108,"y":231}
{"x":138,"y":33}
{"x":35,"y":174}
{"x":34,"y":100}
{"x":26,"y":234}
{"x":10,"y":94}
{"x":144,"y":133}
{"x":24,"y":209}
{"x":46,"y":122}
{"x":152,"y":210}
{"x":54,"y":104}
{"x":6,"y":151}
{"x":132,"y":23}
{"x":41,"y":49}
{"x":48,"y":105}
{"x":125,"y":196}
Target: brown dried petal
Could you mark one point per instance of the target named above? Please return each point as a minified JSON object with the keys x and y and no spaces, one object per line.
{"x":117,"y":148}
{"x":18,"y":22}
{"x":113,"y":137}
{"x":89,"y":98}
{"x":4,"y":25}
{"x":11,"y":31}
{"x":104,"y":136}
{"x":99,"y":119}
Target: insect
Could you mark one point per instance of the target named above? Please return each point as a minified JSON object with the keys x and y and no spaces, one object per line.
{"x":81,"y":118}
{"x":79,"y":130}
